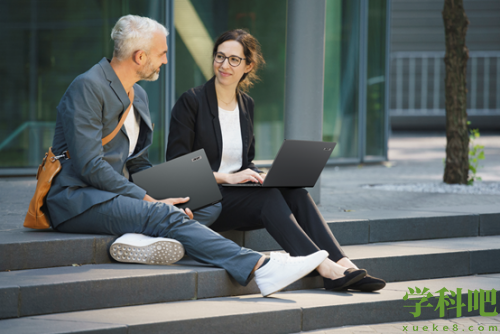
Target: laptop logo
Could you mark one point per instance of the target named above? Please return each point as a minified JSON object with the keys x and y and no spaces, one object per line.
{"x":327,"y":149}
{"x":196,"y":159}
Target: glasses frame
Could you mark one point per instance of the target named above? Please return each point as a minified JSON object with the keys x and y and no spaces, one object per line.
{"x":223,"y":55}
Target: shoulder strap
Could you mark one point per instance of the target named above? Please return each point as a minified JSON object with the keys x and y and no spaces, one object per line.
{"x":112,"y":135}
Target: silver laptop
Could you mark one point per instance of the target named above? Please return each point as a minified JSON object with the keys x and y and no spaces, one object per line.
{"x":298,"y":164}
{"x":189,"y":175}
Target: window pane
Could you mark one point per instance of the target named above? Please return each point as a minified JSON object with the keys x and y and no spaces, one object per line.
{"x":199,"y":22}
{"x":375,"y":98}
{"x":340,"y":118}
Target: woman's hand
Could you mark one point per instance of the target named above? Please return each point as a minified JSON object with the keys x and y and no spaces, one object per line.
{"x":172,"y":201}
{"x":246,"y":175}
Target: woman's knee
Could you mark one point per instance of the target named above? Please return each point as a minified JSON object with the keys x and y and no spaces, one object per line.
{"x":295,"y":194}
{"x":271,"y":194}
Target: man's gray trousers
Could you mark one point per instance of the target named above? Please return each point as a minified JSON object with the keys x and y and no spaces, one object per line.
{"x":123,"y":214}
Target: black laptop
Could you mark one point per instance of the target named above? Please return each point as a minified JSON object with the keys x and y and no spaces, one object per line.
{"x":298,"y":164}
{"x":187,"y":176}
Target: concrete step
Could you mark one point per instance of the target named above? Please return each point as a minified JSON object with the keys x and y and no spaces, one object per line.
{"x":285,"y":312}
{"x":28,"y":249}
{"x":62,"y":289}
{"x":362,"y":227}
{"x":477,"y":324}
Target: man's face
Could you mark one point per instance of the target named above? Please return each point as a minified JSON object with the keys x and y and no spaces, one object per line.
{"x":157,"y":57}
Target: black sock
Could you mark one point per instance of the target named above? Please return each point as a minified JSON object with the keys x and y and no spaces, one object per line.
{"x":266,"y":260}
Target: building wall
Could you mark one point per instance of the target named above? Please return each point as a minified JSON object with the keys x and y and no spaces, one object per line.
{"x":417,"y":51}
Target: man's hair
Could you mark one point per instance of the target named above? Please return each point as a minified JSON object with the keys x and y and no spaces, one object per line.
{"x":132,"y":33}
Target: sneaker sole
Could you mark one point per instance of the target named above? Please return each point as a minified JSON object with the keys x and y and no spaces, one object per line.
{"x":158,"y":253}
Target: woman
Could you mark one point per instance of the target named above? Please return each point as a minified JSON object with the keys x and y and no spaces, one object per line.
{"x":218,"y":116}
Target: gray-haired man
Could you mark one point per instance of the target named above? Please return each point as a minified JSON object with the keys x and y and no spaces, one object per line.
{"x":93,"y":194}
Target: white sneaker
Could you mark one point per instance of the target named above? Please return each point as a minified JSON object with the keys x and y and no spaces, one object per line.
{"x":283,"y":269}
{"x":139,"y":248}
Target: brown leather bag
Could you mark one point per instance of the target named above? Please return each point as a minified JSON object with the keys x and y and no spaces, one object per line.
{"x":48,"y":169}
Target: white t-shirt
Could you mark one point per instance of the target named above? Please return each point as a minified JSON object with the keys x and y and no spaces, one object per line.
{"x":232,"y":145}
{"x":132,"y":127}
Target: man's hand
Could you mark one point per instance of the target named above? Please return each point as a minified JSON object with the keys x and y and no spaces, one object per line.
{"x":172,"y":201}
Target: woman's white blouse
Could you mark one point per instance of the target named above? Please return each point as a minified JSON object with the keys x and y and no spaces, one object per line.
{"x":232,"y":145}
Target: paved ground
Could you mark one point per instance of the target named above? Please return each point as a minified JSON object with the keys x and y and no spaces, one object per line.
{"x":414,"y":158}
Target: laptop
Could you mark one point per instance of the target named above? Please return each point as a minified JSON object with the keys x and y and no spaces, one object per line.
{"x":298,"y":164}
{"x":188,"y":175}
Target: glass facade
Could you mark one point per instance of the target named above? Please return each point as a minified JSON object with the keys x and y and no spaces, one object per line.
{"x":264,"y":19}
{"x":53,"y":41}
{"x":49,"y":43}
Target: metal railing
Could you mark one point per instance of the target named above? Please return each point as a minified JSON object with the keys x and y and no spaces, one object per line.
{"x":417,"y":83}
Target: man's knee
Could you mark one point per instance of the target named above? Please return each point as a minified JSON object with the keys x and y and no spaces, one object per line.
{"x":208,"y":215}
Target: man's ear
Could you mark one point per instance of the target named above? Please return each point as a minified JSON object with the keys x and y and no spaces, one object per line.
{"x":139,"y":57}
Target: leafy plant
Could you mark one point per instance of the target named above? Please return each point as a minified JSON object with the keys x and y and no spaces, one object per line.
{"x":476,"y":153}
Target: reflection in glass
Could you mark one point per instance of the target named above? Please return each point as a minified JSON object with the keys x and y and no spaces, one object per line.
{"x":340,"y":119}
{"x":266,"y":20}
{"x":53,"y":41}
{"x":375,"y":99}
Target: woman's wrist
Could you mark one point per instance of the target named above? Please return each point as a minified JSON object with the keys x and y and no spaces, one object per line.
{"x":221,"y":177}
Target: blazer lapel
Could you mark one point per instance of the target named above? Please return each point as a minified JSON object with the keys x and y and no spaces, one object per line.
{"x":214,"y":110}
{"x":141,"y":109}
{"x":244,"y":125}
{"x":116,"y":86}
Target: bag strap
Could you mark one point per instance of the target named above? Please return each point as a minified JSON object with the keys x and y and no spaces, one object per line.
{"x":112,"y":135}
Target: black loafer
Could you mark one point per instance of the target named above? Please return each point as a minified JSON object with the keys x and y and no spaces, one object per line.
{"x":368,"y":284}
{"x":351,"y":276}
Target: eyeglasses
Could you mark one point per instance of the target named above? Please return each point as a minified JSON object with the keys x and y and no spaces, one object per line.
{"x":234,"y":61}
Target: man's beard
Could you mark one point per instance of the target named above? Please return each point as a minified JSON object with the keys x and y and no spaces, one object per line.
{"x":148,"y":72}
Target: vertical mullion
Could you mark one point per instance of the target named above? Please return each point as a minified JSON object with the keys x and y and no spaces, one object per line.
{"x":363,"y":49}
{"x":169,"y":91}
{"x":387,"y":76}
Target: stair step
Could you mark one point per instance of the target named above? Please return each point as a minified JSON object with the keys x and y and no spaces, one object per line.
{"x":285,"y":312}
{"x":61,"y":289}
{"x":28,"y":249}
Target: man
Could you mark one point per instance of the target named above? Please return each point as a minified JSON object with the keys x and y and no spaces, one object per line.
{"x":93,"y":194}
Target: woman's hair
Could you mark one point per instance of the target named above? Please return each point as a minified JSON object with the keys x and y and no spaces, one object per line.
{"x":252,"y":53}
{"x":132,"y":33}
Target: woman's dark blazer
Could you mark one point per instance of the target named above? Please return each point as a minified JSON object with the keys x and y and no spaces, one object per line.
{"x":195,"y":124}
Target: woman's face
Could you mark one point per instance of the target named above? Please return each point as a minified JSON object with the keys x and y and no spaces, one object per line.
{"x":226,"y":74}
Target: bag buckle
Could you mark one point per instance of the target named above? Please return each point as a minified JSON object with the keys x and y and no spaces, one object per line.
{"x":65,"y":155}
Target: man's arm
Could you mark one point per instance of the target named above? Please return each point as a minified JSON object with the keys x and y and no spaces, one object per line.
{"x":82,"y":108}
